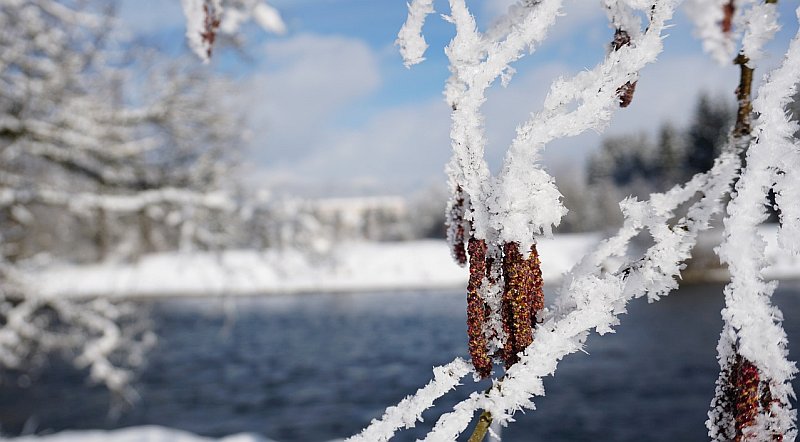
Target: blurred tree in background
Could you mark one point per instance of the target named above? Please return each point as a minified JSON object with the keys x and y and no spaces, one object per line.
{"x":636,"y":165}
{"x":107,"y":151}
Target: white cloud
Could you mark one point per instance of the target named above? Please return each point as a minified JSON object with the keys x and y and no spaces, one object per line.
{"x":312,"y":81}
{"x":397,"y":147}
{"x":400,"y":147}
{"x":298,"y":97}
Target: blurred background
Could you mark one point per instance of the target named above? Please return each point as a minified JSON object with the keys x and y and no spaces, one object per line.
{"x":256,"y":244}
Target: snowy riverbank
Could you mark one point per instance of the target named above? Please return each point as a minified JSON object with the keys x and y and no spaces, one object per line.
{"x":355,"y":267}
{"x":351,"y":268}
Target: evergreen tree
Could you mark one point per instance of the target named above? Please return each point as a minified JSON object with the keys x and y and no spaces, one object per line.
{"x":706,"y":135}
{"x":669,"y":158}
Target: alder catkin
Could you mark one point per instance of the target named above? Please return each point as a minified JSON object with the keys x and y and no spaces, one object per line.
{"x":476,"y":309}
{"x":522,"y":300}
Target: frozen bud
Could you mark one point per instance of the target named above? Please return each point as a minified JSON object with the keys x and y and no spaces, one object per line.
{"x":625,"y":92}
{"x":621,"y":38}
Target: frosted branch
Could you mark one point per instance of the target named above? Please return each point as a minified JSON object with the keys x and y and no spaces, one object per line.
{"x":406,"y":413}
{"x":33,"y":323}
{"x":761,"y":25}
{"x":752,"y":324}
{"x":84,"y":201}
{"x":410,"y":39}
{"x":205,"y":18}
{"x":593,"y":300}
{"x":499,"y":216}
{"x":717,"y":38}
{"x":523,"y":188}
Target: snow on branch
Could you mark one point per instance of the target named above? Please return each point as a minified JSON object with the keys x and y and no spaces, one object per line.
{"x":406,"y":413}
{"x":596,"y":93}
{"x":473,"y":73}
{"x":110,"y":341}
{"x":206,"y":18}
{"x":719,"y":23}
{"x":752,"y":349}
{"x":592,"y":300}
{"x":713,"y":20}
{"x":761,"y":25}
{"x":85,"y":201}
{"x":410,"y":39}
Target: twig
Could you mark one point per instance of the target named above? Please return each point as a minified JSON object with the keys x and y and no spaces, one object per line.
{"x":481,"y":428}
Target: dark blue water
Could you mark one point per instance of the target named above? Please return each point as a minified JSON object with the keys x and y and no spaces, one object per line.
{"x":315,"y":368}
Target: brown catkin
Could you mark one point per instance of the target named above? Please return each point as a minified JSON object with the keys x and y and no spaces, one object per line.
{"x":522,"y":299}
{"x":476,"y":309}
{"x":746,"y":395}
{"x":625,"y":93}
{"x":537,"y":303}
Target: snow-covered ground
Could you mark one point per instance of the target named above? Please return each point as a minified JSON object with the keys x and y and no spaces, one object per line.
{"x":150,"y":433}
{"x":352,"y":267}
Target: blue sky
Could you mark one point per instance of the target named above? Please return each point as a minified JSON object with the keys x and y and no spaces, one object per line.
{"x":332,"y":110}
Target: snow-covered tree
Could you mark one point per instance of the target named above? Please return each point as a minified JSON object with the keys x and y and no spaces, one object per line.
{"x":495,"y":219}
{"x":84,"y":157}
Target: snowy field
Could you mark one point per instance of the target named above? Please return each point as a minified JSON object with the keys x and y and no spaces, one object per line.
{"x":351,"y":268}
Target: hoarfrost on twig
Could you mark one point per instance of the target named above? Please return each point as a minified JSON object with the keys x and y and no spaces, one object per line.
{"x":522,"y":201}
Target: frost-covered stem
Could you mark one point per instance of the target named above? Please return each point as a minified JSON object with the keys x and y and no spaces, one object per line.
{"x":624,"y":21}
{"x":410,"y":39}
{"x":406,"y":413}
{"x":744,"y":112}
{"x":752,"y":329}
{"x":713,"y":20}
{"x":474,"y":70}
{"x":523,"y":188}
{"x":593,"y":300}
{"x":509,"y":210}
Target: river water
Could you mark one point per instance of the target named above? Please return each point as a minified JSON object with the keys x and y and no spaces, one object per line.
{"x":320,"y":367}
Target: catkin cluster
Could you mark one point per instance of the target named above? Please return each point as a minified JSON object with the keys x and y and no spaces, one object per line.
{"x":518,"y":277}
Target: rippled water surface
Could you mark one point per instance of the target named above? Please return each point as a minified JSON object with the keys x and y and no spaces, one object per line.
{"x":320,"y":367}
